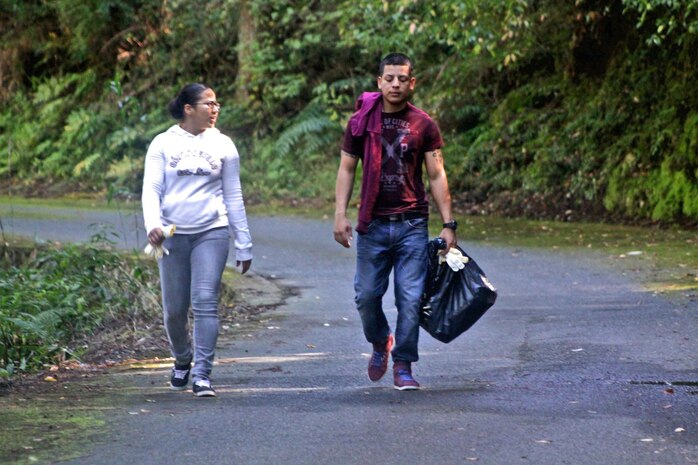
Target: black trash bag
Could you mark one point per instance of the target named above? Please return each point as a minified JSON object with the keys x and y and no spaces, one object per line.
{"x":453,"y":300}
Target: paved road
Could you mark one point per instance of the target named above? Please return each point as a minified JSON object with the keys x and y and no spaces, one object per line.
{"x":567,"y":368}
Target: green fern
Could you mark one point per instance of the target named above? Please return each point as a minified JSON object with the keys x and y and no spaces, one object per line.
{"x":42,"y":326}
{"x":312,"y":127}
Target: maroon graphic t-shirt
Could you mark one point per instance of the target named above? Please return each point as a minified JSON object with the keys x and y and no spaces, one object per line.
{"x":406,"y":136}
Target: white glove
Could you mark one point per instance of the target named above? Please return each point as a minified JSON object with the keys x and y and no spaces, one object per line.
{"x":158,"y":251}
{"x":455,"y":259}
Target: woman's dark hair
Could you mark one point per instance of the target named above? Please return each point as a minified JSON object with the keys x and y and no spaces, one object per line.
{"x":399,"y":59}
{"x":189,"y":95}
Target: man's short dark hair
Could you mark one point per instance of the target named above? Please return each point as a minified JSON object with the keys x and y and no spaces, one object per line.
{"x":395,"y":59}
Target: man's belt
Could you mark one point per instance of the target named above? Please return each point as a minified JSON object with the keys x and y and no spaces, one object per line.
{"x":400,"y":216}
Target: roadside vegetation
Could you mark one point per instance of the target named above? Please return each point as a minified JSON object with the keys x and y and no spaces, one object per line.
{"x":62,"y":304}
{"x":553,"y":110}
{"x":58,"y":303}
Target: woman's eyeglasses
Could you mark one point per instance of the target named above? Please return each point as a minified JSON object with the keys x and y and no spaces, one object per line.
{"x":211,"y":105}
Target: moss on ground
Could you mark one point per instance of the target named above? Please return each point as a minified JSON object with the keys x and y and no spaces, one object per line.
{"x":50,"y":421}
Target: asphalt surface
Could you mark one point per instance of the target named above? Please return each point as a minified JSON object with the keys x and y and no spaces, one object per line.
{"x":575,"y":364}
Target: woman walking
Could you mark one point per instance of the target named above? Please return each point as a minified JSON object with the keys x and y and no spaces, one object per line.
{"x":192,"y":181}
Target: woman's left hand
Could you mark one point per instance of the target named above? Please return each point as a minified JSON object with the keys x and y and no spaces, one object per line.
{"x":246,"y":264}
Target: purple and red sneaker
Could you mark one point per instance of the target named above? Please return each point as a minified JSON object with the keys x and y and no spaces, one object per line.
{"x":402,"y":377}
{"x":378,"y":364}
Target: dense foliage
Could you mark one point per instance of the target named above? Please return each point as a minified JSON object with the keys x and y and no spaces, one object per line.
{"x":548,"y":108}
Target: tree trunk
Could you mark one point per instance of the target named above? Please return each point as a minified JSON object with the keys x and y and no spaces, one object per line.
{"x":247,"y":34}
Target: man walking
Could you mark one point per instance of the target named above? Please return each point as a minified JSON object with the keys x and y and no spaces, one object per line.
{"x":393,"y":139}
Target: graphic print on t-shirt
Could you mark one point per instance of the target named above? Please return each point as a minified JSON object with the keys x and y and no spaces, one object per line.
{"x":395,"y":151}
{"x":190,"y":163}
{"x":395,"y":142}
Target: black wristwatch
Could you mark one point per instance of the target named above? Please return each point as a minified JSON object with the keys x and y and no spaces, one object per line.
{"x":451,"y":225}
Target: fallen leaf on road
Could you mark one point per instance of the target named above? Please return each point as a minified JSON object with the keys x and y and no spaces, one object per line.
{"x":274,"y":369}
{"x":669,"y":391}
{"x":50,"y":379}
{"x":679,"y":430}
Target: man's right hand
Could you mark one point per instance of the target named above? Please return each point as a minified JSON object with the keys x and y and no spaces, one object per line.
{"x":342,"y":231}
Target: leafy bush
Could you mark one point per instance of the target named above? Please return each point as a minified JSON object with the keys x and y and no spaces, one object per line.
{"x":52,"y":299}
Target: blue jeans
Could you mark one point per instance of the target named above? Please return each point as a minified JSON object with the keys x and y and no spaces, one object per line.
{"x":400,"y":246}
{"x":191,"y":274}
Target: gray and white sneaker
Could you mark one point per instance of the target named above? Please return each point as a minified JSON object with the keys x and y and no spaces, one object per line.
{"x":180,"y":377}
{"x":202,"y":388}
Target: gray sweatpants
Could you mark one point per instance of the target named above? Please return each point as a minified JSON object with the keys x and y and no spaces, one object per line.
{"x":191,"y":274}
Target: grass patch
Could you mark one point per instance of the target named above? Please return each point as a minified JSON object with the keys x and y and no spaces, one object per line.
{"x":664,"y":258}
{"x":35,"y":213}
{"x":667,"y":253}
{"x":303,"y":208}
{"x":668,"y":259}
{"x":96,"y":202}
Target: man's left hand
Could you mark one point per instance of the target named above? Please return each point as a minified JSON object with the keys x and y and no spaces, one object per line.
{"x":449,"y":235}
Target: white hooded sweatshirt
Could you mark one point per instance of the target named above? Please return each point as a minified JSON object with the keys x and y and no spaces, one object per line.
{"x":193,"y":182}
